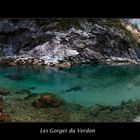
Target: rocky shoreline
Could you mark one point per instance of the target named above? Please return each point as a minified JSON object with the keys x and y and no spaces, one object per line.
{"x":19,"y":60}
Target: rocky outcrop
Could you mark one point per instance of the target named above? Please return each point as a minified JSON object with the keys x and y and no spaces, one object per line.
{"x":64,"y":42}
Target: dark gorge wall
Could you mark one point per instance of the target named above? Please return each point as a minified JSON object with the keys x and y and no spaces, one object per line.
{"x":67,"y":41}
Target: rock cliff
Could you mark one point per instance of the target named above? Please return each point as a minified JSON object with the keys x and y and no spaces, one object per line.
{"x":64,"y":42}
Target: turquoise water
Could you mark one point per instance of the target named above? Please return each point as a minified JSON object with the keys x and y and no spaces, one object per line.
{"x":82,"y":84}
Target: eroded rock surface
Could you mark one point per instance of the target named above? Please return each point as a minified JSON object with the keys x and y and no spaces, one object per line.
{"x":67,"y":41}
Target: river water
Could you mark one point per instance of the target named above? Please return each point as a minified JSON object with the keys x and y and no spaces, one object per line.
{"x":86,"y":85}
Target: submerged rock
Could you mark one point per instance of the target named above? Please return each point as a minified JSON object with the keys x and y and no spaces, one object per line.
{"x":75,"y":88}
{"x":127,"y":112}
{"x":1,"y":104}
{"x":30,"y":96}
{"x":96,"y":109}
{"x":4,"y":92}
{"x":23,"y":91}
{"x":46,"y":101}
{"x":32,"y":88}
{"x":4,"y":117}
{"x":58,"y":114}
{"x":15,"y":77}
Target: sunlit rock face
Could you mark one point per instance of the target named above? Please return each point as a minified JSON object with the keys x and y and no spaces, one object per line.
{"x":55,"y":41}
{"x":135,"y":22}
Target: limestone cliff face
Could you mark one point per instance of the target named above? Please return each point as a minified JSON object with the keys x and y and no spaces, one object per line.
{"x":68,"y":41}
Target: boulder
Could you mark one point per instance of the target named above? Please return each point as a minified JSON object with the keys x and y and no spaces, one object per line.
{"x":63,"y":65}
{"x":46,"y":101}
